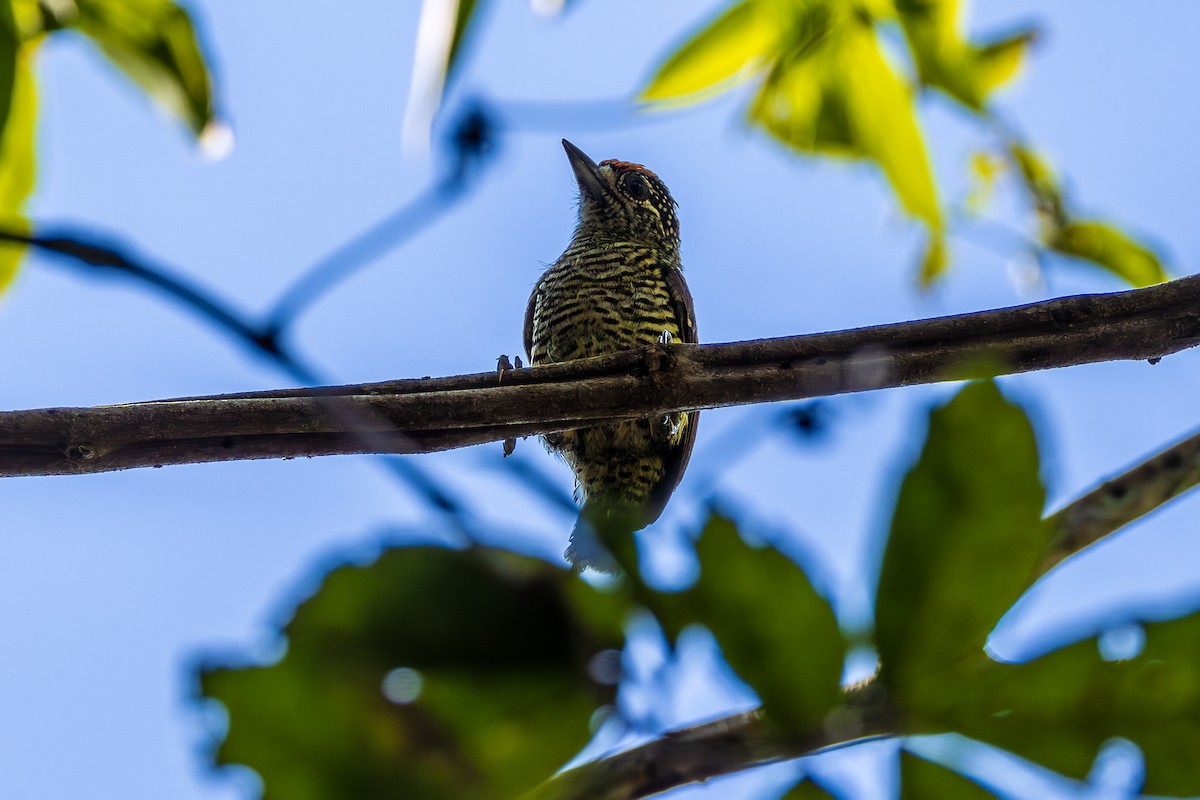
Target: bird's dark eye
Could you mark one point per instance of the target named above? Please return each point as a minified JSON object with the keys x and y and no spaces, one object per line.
{"x":635,"y":186}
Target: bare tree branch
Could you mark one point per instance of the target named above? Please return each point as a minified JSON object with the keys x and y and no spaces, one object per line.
{"x":720,"y":747}
{"x":430,"y":414}
{"x":1123,"y":499}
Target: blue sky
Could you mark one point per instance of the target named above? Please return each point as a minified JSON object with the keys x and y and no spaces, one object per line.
{"x":112,"y":583}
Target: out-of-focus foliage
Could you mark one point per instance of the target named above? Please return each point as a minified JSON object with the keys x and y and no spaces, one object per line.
{"x":924,"y":780}
{"x":1099,"y":243}
{"x":18,"y":117}
{"x":737,"y":44}
{"x":807,"y":790}
{"x":776,"y":632}
{"x":152,"y":41}
{"x":506,"y":650}
{"x":1104,"y":244}
{"x":967,"y":71}
{"x":1060,"y":708}
{"x":506,"y":659}
{"x":828,"y":87}
{"x":965,"y":541}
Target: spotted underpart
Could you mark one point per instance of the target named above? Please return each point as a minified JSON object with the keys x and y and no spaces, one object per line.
{"x":617,"y":286}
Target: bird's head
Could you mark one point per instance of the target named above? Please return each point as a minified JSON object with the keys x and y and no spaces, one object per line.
{"x":623,"y":200}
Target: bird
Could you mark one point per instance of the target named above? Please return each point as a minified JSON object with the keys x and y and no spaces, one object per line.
{"x":618,"y":285}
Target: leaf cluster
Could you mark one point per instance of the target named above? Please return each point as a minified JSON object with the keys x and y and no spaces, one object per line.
{"x":508,"y":650}
{"x":153,"y":42}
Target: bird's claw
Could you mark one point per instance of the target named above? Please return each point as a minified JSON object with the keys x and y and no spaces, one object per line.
{"x":503,"y":365}
{"x":672,"y":423}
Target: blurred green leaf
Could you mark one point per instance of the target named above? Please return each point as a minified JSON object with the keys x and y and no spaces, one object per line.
{"x":966,"y":71}
{"x":1039,"y":180}
{"x":1105,"y":245}
{"x":154,"y":43}
{"x":464,"y":16}
{"x":833,"y":91}
{"x":807,"y":789}
{"x":965,"y":541}
{"x":924,"y":780}
{"x":934,"y":261}
{"x":985,"y":168}
{"x":10,"y":42}
{"x":1059,"y":709}
{"x":17,"y":160}
{"x":732,"y":46}
{"x":775,"y":631}
{"x":496,"y":645}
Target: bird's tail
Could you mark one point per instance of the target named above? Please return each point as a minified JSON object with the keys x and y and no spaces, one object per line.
{"x":602,"y":538}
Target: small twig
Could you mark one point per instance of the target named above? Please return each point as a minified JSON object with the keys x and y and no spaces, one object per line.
{"x":426,"y":415}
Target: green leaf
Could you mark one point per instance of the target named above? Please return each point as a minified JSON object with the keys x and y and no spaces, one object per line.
{"x":495,"y":644}
{"x":965,"y":540}
{"x":155,"y":44}
{"x":730,"y":48}
{"x":924,"y":780}
{"x":935,"y":261}
{"x":807,"y":789}
{"x":10,"y":42}
{"x":17,"y":161}
{"x":775,"y":631}
{"x":833,"y":91}
{"x":465,"y":14}
{"x":945,"y":60}
{"x":985,"y":168}
{"x":1059,"y":709}
{"x":1105,"y":245}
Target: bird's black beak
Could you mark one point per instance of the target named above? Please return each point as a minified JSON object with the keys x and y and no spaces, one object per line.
{"x":586,"y":172}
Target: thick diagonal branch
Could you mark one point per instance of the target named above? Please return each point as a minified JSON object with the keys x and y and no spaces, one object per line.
{"x":425,"y":415}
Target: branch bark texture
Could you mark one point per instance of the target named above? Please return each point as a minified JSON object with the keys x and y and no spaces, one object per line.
{"x":431,"y":414}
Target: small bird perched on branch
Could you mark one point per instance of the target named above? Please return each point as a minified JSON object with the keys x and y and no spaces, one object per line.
{"x":617,"y":286}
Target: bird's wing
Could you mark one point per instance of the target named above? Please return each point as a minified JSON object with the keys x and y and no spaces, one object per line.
{"x":530,"y":310}
{"x":677,"y":458}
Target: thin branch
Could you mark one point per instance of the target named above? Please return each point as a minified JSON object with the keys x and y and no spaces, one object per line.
{"x":81,"y":249}
{"x":1123,"y":499}
{"x":430,"y":414}
{"x":353,"y":255}
{"x":720,"y":747}
{"x":78,"y":247}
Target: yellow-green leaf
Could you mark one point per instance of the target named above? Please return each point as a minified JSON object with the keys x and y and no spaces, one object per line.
{"x":464,"y":16}
{"x":17,"y":164}
{"x":984,"y":169}
{"x":10,"y":41}
{"x":732,"y":47}
{"x":837,"y":93}
{"x":947,"y":61}
{"x":935,"y":261}
{"x":1040,"y":182}
{"x":1114,"y":250}
{"x":155,"y":44}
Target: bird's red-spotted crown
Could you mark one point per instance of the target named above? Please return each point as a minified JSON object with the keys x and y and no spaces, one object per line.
{"x":627,"y":166}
